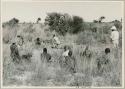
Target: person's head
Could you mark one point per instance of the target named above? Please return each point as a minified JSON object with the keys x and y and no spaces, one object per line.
{"x":13,"y":43}
{"x":38,"y":39}
{"x":54,"y":35}
{"x":107,"y":50}
{"x":45,"y":50}
{"x":70,"y":53}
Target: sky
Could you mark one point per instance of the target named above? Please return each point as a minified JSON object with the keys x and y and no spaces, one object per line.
{"x":89,"y":11}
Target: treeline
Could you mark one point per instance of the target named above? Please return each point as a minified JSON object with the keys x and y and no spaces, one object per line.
{"x":65,"y":23}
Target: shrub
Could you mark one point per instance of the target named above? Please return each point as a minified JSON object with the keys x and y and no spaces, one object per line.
{"x":63,"y":23}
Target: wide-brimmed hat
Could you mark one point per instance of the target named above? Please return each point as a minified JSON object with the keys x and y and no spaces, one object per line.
{"x":113,"y":28}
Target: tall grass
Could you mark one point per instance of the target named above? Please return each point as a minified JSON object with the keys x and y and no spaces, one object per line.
{"x":31,"y":74}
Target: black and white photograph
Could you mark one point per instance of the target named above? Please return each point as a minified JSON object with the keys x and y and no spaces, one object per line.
{"x":62,"y":44}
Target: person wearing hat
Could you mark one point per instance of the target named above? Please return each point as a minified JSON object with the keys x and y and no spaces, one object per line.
{"x":115,"y":36}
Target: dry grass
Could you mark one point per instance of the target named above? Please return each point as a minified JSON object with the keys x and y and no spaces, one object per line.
{"x":51,"y":74}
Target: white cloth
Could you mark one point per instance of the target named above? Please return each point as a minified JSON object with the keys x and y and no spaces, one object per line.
{"x":65,"y":53}
{"x":57,"y":40}
{"x":115,"y":35}
{"x":115,"y":38}
{"x":115,"y":43}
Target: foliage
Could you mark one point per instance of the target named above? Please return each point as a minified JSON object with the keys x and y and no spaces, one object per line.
{"x":62,"y":23}
{"x":101,"y":18}
{"x":39,"y":19}
{"x":12,"y":22}
{"x":118,"y":24}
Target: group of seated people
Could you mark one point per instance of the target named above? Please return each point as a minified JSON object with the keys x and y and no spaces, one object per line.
{"x":68,"y":60}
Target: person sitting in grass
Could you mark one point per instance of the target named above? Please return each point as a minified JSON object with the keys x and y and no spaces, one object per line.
{"x":86,"y":56}
{"x":15,"y":53}
{"x":45,"y":57}
{"x":103,"y":62}
{"x":64,"y":54}
{"x":20,"y":40}
{"x":56,"y":41}
{"x":38,"y":41}
{"x":66,"y":51}
{"x":70,"y":63}
{"x":87,"y":52}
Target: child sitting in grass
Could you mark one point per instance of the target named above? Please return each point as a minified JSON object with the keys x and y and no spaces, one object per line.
{"x":103,"y":62}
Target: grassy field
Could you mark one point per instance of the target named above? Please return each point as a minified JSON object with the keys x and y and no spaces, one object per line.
{"x":24,"y":74}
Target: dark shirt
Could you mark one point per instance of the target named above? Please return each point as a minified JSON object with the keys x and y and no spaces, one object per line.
{"x":45,"y":57}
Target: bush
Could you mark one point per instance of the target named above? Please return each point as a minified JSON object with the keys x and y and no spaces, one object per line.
{"x":63,"y":23}
{"x":76,"y":25}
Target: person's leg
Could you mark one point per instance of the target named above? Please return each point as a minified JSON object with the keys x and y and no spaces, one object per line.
{"x":117,"y":43}
{"x":114,"y":44}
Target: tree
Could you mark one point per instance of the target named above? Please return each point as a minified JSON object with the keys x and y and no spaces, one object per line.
{"x":13,"y":21}
{"x":63,"y":23}
{"x":101,"y":18}
{"x":95,"y":21}
{"x":57,"y":22}
{"x":39,"y":19}
{"x":77,"y":24}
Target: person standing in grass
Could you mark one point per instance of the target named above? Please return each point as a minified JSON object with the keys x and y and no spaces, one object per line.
{"x":115,"y":36}
{"x":15,"y":53}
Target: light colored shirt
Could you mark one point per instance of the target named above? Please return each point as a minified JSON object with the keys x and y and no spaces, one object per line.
{"x":115,"y":35}
{"x":57,"y":40}
{"x":65,"y":53}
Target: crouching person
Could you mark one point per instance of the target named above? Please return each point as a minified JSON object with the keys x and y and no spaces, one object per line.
{"x":45,"y":57}
{"x":70,"y":63}
{"x":56,"y":41}
{"x":66,"y":51}
{"x":86,"y":60}
{"x":103,"y":62}
{"x":15,"y":53}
